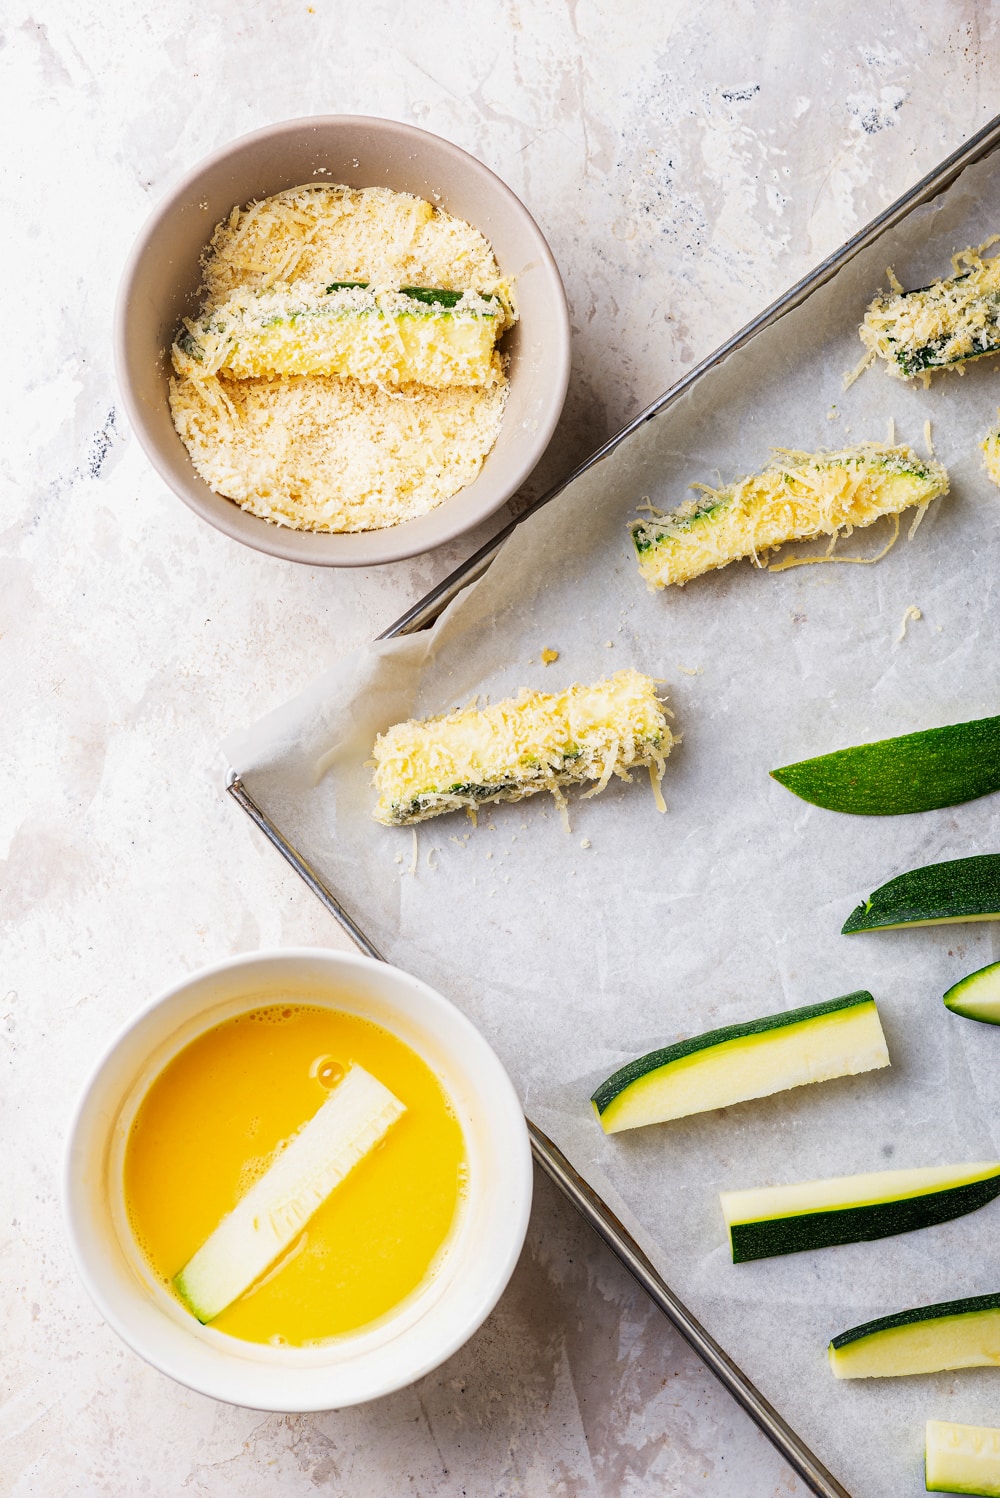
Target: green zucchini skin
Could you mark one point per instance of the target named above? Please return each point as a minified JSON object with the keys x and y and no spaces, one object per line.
{"x":977,"y":996}
{"x":633,"y":1070}
{"x":865,"y":1224}
{"x":962,"y":889}
{"x":428,"y":296}
{"x":939,"y":1312}
{"x":892,"y":777}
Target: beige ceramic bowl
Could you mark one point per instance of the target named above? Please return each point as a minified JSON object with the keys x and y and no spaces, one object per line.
{"x":430,"y":1325}
{"x":160,"y":286}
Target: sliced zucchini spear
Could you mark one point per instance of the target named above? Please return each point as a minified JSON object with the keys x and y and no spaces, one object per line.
{"x":952,"y":1334}
{"x":264,"y":1222}
{"x":750,"y":1060}
{"x":962,"y":1459}
{"x":962,"y":889}
{"x":915,"y":772}
{"x":853,"y":1209}
{"x":977,"y":996}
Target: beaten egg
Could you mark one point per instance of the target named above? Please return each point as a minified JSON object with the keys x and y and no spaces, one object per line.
{"x":218,"y":1115}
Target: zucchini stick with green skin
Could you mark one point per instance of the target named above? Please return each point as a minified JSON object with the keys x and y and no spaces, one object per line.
{"x":940,"y":894}
{"x":520,"y":746}
{"x":731,"y":1065}
{"x":977,"y":996}
{"x":915,"y":772}
{"x":928,"y":1339}
{"x":939,"y":326}
{"x":799,"y":497}
{"x":418,"y":334}
{"x":772,"y":1220}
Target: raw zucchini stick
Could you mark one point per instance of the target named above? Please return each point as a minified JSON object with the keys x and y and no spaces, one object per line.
{"x":977,"y":996}
{"x":953,"y":1334}
{"x":937,"y":326}
{"x":962,"y":1459}
{"x":853,"y":1209}
{"x":915,"y":772}
{"x":415,"y":335}
{"x":939,"y":894}
{"x":525,"y":744}
{"x":763,"y":1056}
{"x":799,"y":497}
{"x":264,"y":1222}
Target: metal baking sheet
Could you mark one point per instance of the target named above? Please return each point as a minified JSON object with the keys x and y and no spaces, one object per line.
{"x":730,"y":906}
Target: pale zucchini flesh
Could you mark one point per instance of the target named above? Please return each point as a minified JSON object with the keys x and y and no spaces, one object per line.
{"x":977,"y":996}
{"x":962,"y":1459}
{"x":800,"y":497}
{"x":928,"y":1339}
{"x":739,"y":1062}
{"x":853,"y":1209}
{"x":270,"y":1216}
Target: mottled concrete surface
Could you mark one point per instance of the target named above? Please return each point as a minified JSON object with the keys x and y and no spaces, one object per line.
{"x":687,"y":164}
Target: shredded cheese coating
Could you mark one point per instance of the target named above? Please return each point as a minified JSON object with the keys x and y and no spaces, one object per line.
{"x":352,"y":409}
{"x":520,"y":746}
{"x":938,"y":326}
{"x":799,"y":497}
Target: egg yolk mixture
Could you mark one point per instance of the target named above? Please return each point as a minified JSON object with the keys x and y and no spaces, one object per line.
{"x":213,"y":1121}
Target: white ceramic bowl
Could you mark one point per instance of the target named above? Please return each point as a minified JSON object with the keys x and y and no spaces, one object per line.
{"x":160,"y":285}
{"x":435,"y":1321}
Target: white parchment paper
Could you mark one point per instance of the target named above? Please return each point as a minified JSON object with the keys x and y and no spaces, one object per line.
{"x":575,"y":952}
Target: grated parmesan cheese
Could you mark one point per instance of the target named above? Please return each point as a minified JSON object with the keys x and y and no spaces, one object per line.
{"x":942,"y":325}
{"x":325,"y":454}
{"x":268,"y":395}
{"x":518,"y":747}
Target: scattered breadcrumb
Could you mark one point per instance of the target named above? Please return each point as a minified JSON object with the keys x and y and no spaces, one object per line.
{"x":910,"y":612}
{"x":691,"y":670}
{"x":548,"y":656}
{"x":585,"y":843}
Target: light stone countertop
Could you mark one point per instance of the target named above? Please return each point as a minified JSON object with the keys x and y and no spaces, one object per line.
{"x":687,"y":164}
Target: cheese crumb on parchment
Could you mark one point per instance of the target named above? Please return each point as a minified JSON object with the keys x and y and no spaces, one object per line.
{"x":910,"y":612}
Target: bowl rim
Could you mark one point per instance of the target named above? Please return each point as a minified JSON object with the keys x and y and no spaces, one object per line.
{"x":337,"y":548}
{"x":330,"y":1389}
